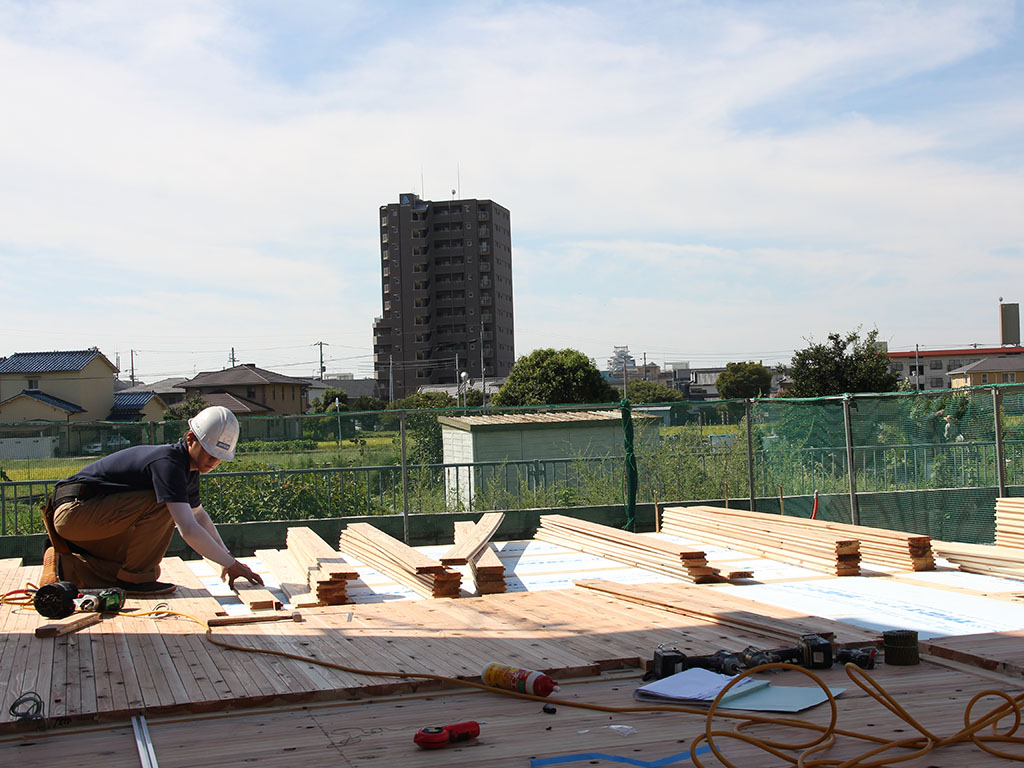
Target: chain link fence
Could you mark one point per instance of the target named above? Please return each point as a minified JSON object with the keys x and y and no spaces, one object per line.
{"x":928,"y":462}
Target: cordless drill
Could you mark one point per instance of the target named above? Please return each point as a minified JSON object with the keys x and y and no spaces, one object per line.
{"x":811,"y":652}
{"x":668,"y":660}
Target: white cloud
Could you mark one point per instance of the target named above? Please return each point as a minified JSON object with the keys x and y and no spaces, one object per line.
{"x":759,"y":172}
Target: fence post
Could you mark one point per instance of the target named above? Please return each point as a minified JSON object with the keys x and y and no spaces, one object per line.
{"x":405,"y":481}
{"x":750,"y":453}
{"x":1000,"y":461}
{"x":850,"y":468}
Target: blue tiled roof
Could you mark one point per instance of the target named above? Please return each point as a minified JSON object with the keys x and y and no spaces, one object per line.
{"x":42,"y":397}
{"x":131,"y":401}
{"x":46,"y":362}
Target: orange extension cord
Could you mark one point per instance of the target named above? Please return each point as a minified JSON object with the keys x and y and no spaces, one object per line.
{"x":803,"y":754}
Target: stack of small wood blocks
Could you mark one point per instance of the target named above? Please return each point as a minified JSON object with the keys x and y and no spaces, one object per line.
{"x":423,"y":575}
{"x":327,"y":573}
{"x":473,"y":547}
{"x":684,"y":563}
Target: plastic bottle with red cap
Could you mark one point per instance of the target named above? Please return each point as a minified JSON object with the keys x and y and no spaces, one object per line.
{"x":518,"y":679}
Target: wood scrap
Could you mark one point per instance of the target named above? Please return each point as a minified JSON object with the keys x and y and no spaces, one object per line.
{"x":327,"y":573}
{"x":406,"y":566}
{"x":73,"y":623}
{"x":633,"y":549}
{"x":466,"y":549}
{"x":486,"y":567}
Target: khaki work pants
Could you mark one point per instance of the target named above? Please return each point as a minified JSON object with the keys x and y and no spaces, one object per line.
{"x":120,"y":536}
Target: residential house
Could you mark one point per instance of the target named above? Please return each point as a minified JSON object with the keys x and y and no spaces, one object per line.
{"x":137,"y":405}
{"x":56,"y":386}
{"x":1004,"y":369}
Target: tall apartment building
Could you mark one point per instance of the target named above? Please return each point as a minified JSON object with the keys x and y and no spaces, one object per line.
{"x":446,"y":288}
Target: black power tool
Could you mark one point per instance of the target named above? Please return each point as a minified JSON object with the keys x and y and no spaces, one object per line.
{"x":62,"y":598}
{"x":668,"y":660}
{"x":810,"y":652}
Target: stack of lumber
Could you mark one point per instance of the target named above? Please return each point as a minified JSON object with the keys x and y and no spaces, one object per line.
{"x":327,"y":573}
{"x":1010,"y":522}
{"x":633,"y":549}
{"x":403,"y":564}
{"x":771,"y":536}
{"x":982,"y":558}
{"x":880,"y":546}
{"x":473,"y":547}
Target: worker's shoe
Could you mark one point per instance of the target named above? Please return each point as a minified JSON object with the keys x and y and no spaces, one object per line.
{"x":146,"y":588}
{"x":49,"y":574}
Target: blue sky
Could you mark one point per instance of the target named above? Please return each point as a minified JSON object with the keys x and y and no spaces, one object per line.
{"x":701,"y":181}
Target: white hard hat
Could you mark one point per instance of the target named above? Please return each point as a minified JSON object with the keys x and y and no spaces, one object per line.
{"x":216,"y":429}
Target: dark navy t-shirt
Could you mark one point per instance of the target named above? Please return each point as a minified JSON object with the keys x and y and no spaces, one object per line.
{"x":161,"y":468}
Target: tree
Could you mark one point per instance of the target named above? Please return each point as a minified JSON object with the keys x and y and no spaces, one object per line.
{"x":424,"y":428}
{"x":744,"y":380}
{"x":186,"y":409}
{"x":640,"y":391}
{"x":325,"y":404}
{"x":843,"y":364}
{"x":554,"y":377}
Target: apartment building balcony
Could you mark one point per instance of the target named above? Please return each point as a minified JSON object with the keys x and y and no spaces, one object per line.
{"x":485,"y":249}
{"x":485,"y":266}
{"x":483,"y":232}
{"x":488,"y":336}
{"x":485,"y":282}
{"x":483,"y":216}
{"x":485,"y":300}
{"x":486,"y":317}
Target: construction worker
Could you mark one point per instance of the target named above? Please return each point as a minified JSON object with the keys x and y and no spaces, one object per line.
{"x":111,"y":523}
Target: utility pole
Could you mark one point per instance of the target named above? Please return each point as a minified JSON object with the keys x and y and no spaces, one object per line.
{"x":917,"y":367}
{"x":233,"y":359}
{"x":483,"y":376}
{"x":133,"y":367}
{"x":391,"y":378}
{"x":321,"y":345}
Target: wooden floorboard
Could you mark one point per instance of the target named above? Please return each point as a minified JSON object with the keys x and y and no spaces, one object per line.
{"x":165,"y":668}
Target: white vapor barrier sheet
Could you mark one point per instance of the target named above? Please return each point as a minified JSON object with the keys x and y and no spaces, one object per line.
{"x":880,"y":603}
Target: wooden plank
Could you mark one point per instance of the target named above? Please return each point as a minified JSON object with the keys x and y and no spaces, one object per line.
{"x":471,"y":545}
{"x":71,"y":624}
{"x":256,"y":596}
{"x":290,"y":579}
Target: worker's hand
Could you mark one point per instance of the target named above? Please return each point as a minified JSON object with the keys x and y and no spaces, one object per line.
{"x":237,"y":569}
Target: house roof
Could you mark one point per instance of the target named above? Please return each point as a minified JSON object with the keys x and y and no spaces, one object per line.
{"x":247,"y":373}
{"x":49,"y":362}
{"x":164,"y":386}
{"x":498,"y":420}
{"x":1001,"y":363}
{"x":42,"y":397}
{"x":239,"y":406}
{"x":965,"y":352}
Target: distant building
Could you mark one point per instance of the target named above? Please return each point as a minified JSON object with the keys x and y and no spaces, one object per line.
{"x":927,"y":369}
{"x":137,"y":405}
{"x":446,"y":290}
{"x":169,"y":390}
{"x":56,"y":386}
{"x":350,"y":386}
{"x":1003,"y":369}
{"x":247,"y":390}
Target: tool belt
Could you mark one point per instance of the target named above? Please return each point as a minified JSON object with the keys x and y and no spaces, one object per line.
{"x":61,"y":495}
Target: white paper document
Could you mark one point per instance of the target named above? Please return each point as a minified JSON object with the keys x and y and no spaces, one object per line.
{"x":700,"y":686}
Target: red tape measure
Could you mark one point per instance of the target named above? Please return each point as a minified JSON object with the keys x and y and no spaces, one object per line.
{"x":437,"y":736}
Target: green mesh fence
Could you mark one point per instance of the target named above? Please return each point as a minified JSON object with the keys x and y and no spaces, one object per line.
{"x":927,"y":462}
